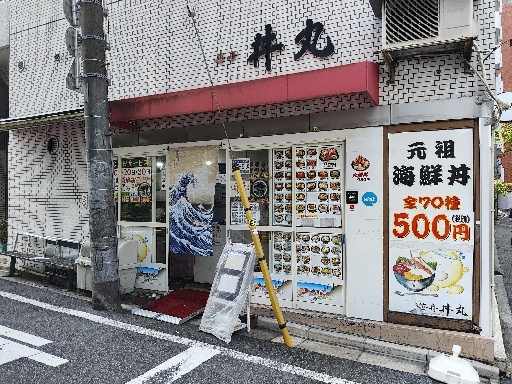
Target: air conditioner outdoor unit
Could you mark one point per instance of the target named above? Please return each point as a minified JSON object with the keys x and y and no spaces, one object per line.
{"x":418,"y":23}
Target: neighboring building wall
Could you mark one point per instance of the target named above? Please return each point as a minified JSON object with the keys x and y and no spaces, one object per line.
{"x":37,"y":35}
{"x":4,"y":100}
{"x":166,"y":57}
{"x":4,"y":24}
{"x":506,"y":49}
{"x":505,"y":202}
{"x":506,"y":162}
{"x":46,"y":191}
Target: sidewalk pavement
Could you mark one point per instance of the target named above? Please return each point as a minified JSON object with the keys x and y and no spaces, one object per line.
{"x":503,"y":289}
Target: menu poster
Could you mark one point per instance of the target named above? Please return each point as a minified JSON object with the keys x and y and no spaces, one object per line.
{"x":318,"y":186}
{"x":244,"y":164}
{"x":282,"y":175}
{"x":247,"y":187}
{"x":136,"y":181}
{"x":282,"y":253}
{"x":319,"y":254}
{"x":238,"y":213}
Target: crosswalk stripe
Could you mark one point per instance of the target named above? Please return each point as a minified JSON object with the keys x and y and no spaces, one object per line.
{"x":179,"y":365}
{"x":26,"y":338}
{"x":10,"y":351}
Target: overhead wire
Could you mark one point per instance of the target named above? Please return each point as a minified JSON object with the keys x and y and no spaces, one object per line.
{"x":192,"y":15}
{"x":501,"y":106}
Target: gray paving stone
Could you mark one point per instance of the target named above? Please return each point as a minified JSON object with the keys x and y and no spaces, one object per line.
{"x":331,"y":350}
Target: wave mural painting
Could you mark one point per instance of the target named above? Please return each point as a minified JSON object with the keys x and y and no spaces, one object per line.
{"x":192,"y":174}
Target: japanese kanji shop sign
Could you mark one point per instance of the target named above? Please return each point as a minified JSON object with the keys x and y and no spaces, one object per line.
{"x":431,"y":228}
{"x":265,"y":45}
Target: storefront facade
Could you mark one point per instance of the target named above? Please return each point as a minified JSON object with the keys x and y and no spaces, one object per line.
{"x":372,"y":198}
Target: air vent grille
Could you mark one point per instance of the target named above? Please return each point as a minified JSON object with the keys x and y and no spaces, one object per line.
{"x":408,"y":20}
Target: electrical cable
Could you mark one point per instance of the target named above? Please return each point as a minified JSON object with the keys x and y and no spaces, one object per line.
{"x":501,"y":105}
{"x":192,"y":15}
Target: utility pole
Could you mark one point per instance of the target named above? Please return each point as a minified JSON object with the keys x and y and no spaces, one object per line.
{"x":102,"y":215}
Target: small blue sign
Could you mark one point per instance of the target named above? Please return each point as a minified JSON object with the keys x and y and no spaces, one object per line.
{"x":369,"y":198}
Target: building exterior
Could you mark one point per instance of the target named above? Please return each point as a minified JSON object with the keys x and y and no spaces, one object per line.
{"x":369,"y":170}
{"x":504,"y":84}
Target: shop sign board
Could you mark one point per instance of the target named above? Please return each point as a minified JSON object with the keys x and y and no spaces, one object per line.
{"x":431,"y":223}
{"x":136,"y":180}
{"x":266,"y":44}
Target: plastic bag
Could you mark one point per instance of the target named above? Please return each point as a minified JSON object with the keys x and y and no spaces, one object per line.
{"x":231,"y":289}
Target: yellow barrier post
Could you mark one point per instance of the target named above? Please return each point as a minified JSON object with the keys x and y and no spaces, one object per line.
{"x":261,"y":258}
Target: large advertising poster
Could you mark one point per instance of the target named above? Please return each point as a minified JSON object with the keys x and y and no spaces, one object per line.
{"x":192,"y":177}
{"x":431,"y":223}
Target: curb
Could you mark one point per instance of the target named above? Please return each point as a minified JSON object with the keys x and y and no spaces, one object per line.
{"x":506,"y":321}
{"x":415,"y":354}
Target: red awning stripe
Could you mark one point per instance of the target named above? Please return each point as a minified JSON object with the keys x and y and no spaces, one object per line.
{"x":348,"y":79}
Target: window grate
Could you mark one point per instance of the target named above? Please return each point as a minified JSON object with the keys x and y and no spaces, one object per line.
{"x":408,"y":20}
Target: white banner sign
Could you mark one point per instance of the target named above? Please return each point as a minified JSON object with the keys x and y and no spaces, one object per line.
{"x":431,"y":228}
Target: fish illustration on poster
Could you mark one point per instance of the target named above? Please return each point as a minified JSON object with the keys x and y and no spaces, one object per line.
{"x":319,"y":293}
{"x":192,"y":175}
{"x":283,"y":288}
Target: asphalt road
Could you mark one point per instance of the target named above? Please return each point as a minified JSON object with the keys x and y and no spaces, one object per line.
{"x":48,"y":336}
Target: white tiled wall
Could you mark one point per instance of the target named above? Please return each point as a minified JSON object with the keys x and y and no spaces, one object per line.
{"x":155,"y":49}
{"x":46,"y":190}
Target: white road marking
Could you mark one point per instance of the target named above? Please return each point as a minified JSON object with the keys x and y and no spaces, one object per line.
{"x":26,"y":338}
{"x":10,"y":351}
{"x":179,"y":365}
{"x":283,"y":367}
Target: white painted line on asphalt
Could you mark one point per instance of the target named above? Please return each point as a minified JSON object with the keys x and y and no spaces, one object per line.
{"x":7,"y":352}
{"x":179,"y":365}
{"x":46,"y":358}
{"x":26,"y":338}
{"x":283,"y":367}
{"x":10,"y":351}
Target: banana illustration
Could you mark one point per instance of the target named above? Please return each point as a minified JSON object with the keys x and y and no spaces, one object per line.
{"x":142,"y":248}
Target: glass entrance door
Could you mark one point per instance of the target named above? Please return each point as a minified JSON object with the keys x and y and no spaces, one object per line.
{"x":142,"y":215}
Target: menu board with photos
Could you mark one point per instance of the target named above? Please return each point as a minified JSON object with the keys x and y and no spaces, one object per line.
{"x":282,"y":175}
{"x":318,"y":186}
{"x":255,"y":178}
{"x":282,"y":252}
{"x":319,"y":254}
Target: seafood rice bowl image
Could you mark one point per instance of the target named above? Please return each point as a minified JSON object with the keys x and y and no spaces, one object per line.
{"x":415,"y":285}
{"x":414,"y":273}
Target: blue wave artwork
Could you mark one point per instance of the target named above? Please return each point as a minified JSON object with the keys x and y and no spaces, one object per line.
{"x":190,"y":225}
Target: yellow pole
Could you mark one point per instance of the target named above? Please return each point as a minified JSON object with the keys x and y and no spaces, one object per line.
{"x":261,"y":258}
